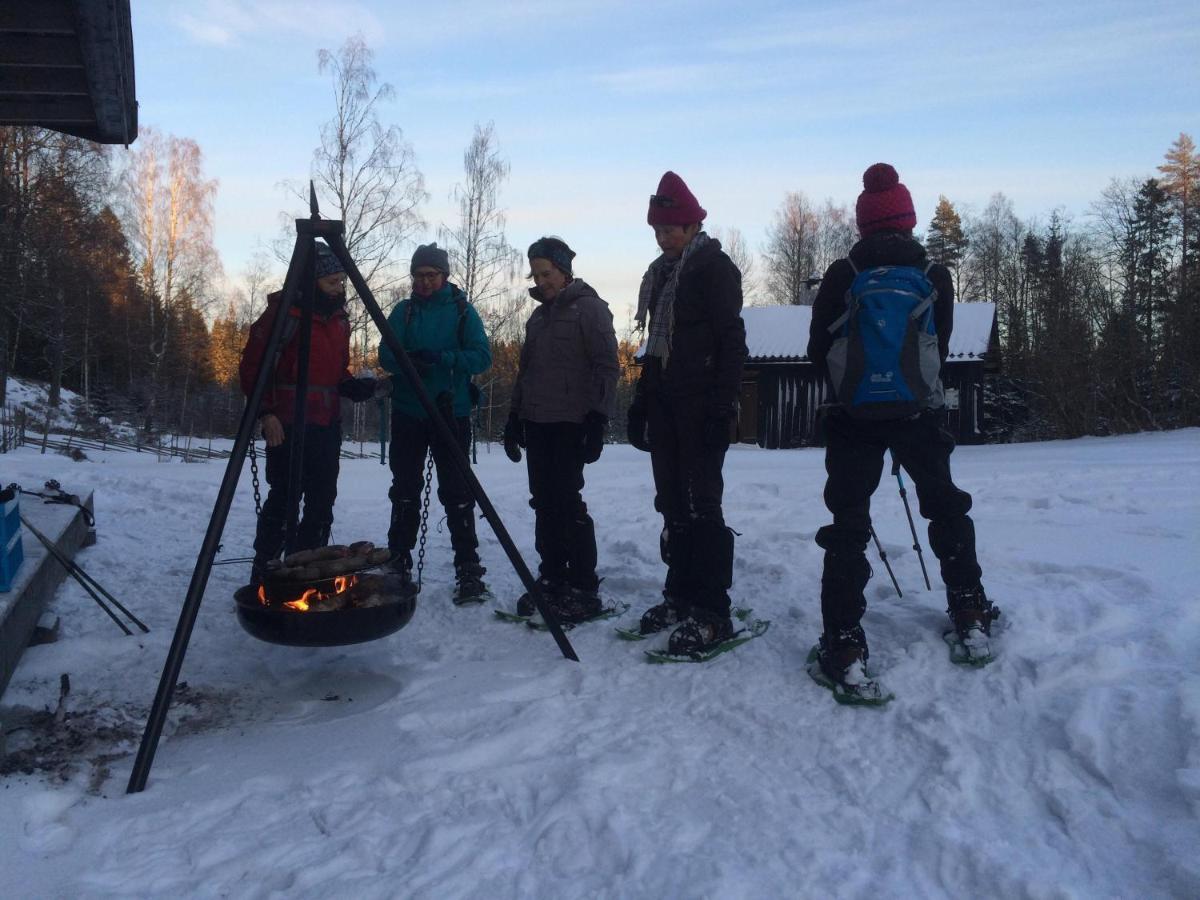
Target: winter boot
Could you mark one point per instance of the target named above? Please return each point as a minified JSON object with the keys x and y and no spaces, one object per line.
{"x":268,"y":545}
{"x":699,"y":633}
{"x":403,"y":527}
{"x":574,"y":605}
{"x":312,"y":533}
{"x":842,"y":657}
{"x":661,"y":616}
{"x":972,"y":614}
{"x":548,"y":587}
{"x":468,"y":584}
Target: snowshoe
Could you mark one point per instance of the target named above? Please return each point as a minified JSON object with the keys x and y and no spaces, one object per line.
{"x":469,"y":588}
{"x":572,"y":607}
{"x":692,"y":644}
{"x":971,"y":615}
{"x":637,"y":634}
{"x":843,"y":672}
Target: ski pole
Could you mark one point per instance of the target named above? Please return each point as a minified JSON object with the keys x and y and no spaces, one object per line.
{"x":886,"y":564}
{"x":911,"y":526}
{"x":65,"y":563}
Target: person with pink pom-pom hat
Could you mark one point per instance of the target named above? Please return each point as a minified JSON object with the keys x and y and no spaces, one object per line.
{"x":910,"y":424}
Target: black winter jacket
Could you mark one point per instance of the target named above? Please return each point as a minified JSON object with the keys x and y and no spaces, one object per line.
{"x":708,"y":344}
{"x":883,"y":248}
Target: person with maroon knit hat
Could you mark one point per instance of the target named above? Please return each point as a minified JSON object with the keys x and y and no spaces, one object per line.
{"x":329,"y":380}
{"x":854,"y":449}
{"x":683,"y":413}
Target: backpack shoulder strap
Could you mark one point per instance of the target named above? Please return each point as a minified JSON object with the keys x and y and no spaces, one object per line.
{"x":461,"y":301}
{"x":844,"y":317}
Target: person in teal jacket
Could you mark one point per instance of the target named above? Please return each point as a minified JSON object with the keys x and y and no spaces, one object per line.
{"x":443,"y":336}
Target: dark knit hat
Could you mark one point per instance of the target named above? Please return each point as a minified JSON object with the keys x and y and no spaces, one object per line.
{"x":327,"y":263}
{"x":555,"y":250}
{"x":885,"y":203}
{"x":430,"y":255}
{"x":674,"y":204}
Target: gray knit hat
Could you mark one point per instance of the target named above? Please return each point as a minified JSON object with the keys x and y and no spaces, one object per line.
{"x":327,"y":263}
{"x":430,"y":255}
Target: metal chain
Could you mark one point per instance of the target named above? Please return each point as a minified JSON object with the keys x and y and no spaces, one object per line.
{"x":254,"y":480}
{"x":425,"y":514}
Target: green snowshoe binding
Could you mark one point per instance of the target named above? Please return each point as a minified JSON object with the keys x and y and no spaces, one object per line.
{"x":699,"y":640}
{"x":838,"y":664}
{"x":572,"y":606}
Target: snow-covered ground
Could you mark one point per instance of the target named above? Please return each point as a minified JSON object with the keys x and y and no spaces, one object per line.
{"x":463,"y":757}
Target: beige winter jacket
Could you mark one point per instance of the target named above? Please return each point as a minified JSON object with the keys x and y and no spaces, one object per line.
{"x":569,"y":363}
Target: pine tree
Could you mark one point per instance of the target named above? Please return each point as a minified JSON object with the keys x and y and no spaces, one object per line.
{"x":945,"y":241}
{"x":1148,"y":284}
{"x":1181,"y":179}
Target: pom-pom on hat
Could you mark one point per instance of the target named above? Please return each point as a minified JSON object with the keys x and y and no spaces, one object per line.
{"x":885,"y":203}
{"x":555,"y":250}
{"x":430,"y":255}
{"x":674,"y":204}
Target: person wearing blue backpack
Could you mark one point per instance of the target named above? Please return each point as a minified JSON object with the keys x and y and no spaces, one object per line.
{"x":881,"y":328}
{"x":443,"y":336}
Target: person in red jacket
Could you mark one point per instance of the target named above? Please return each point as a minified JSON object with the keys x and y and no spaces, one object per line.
{"x":329,"y":380}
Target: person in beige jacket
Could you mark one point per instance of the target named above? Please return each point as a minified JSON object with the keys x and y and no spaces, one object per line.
{"x":563,"y":398}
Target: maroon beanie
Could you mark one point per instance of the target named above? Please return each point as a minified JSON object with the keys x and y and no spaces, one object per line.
{"x":674,"y":204}
{"x":884,"y":203}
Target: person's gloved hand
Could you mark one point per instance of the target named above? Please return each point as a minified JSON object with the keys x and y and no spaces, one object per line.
{"x":424,"y":360}
{"x":514,"y":437}
{"x":594,"y":426}
{"x":716,"y":427}
{"x":357,"y":389}
{"x":635,"y":425}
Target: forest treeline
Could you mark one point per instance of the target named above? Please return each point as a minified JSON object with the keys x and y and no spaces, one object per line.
{"x":113,"y":287}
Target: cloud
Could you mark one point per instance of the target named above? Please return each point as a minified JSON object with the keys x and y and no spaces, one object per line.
{"x":228,"y":22}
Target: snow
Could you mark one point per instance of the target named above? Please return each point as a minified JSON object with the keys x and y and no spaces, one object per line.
{"x":463,"y":757}
{"x":781,"y":332}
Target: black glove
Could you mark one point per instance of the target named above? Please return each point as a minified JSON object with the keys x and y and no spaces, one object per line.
{"x":716,"y":427}
{"x":514,"y":437}
{"x":594,"y":426}
{"x":635,"y":425}
{"x":424,"y":360}
{"x":357,"y":389}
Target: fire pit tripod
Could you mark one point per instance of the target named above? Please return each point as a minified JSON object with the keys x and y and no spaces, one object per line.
{"x":298,"y":286}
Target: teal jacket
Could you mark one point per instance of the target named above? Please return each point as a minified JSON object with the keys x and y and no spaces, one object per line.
{"x":432,"y":324}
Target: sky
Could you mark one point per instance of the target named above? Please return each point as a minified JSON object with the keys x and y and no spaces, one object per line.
{"x":593,"y":100}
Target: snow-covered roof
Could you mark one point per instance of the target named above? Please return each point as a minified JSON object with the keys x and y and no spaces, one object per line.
{"x":781,"y":332}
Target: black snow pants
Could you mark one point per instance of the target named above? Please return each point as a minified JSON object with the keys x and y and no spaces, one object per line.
{"x":564,"y":533}
{"x":854,"y":452}
{"x":411,"y":439}
{"x":696,"y":544}
{"x":318,"y":490}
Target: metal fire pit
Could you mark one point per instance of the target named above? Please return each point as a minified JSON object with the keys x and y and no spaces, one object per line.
{"x":277,"y":624}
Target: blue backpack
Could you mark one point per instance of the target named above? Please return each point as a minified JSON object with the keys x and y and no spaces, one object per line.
{"x":884,"y":362}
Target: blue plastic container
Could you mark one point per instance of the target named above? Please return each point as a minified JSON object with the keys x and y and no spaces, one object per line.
{"x":11,"y":551}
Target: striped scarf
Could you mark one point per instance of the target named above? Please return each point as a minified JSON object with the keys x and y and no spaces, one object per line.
{"x":662,"y":323}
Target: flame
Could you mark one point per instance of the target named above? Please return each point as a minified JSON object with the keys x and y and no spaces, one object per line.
{"x":341,"y":584}
{"x":301,"y":605}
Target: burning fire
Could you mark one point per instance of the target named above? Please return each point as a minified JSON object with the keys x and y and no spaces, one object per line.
{"x":311,"y":595}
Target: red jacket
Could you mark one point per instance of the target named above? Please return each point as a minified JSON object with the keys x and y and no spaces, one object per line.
{"x":328,"y":365}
